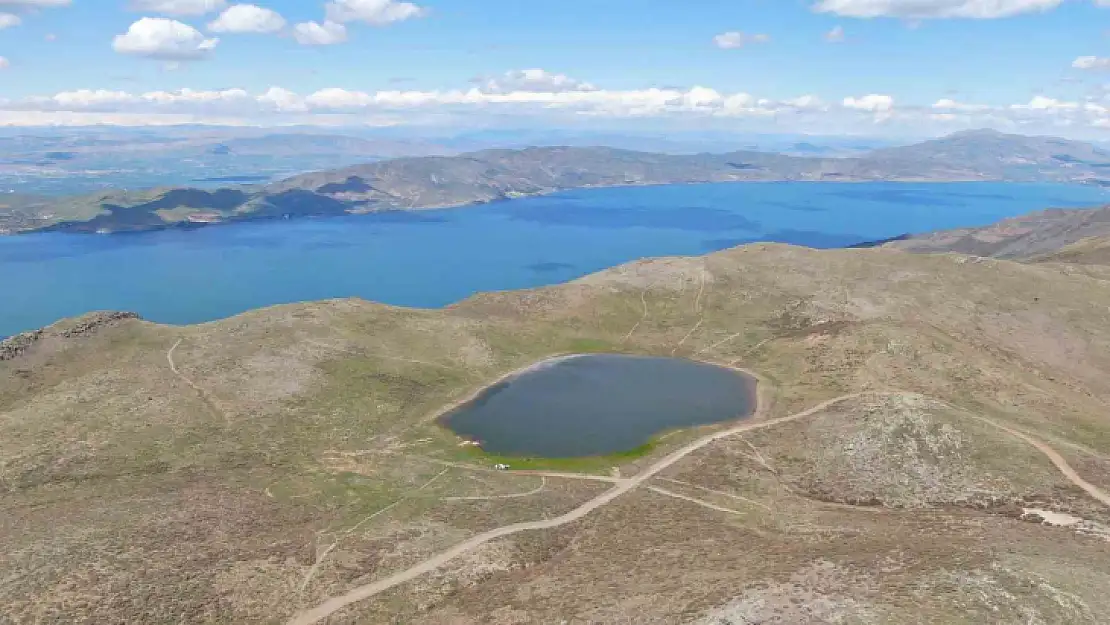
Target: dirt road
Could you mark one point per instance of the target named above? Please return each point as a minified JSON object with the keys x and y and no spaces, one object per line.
{"x":362,"y":593}
{"x":1056,"y":459}
{"x":623,"y":486}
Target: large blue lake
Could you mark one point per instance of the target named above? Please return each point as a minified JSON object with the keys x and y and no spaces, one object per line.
{"x":433,"y":258}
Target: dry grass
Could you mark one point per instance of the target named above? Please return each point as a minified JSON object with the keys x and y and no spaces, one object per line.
{"x":294,"y":455}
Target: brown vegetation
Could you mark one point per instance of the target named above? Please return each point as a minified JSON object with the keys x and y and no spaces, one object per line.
{"x":249,"y":469}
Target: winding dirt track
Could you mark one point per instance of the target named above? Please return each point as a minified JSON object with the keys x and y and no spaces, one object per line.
{"x":622,"y":486}
{"x":1056,"y":459}
{"x":362,"y":593}
{"x":208,"y":401}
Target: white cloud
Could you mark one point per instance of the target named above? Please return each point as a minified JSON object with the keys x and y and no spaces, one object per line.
{"x":178,"y":7}
{"x":875,"y":103}
{"x":1044,"y":103}
{"x":934,"y":9}
{"x":91,"y":98}
{"x":534,"y":80}
{"x":7,"y":20}
{"x":948,"y":104}
{"x":282,"y":100}
{"x":316,"y":34}
{"x":247,"y":18}
{"x":374,"y":12}
{"x":806,"y":103}
{"x":165,"y":39}
{"x":1091,"y":62}
{"x":736,"y":39}
{"x":190,"y":96}
{"x":5,"y":63}
{"x":836,"y":35}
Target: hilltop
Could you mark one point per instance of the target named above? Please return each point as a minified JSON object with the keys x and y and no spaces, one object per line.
{"x":931,"y":446}
{"x":491,"y":175}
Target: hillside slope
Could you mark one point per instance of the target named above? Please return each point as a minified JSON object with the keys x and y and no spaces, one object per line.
{"x":288,"y":460}
{"x":1027,"y":236}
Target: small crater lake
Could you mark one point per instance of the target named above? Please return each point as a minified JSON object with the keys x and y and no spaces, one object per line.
{"x":600,"y":404}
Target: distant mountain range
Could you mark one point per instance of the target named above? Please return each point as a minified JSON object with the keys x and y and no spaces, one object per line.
{"x":491,"y":175}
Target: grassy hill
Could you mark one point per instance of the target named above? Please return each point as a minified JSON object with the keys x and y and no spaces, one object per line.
{"x":251,"y":469}
{"x":1028,"y":236}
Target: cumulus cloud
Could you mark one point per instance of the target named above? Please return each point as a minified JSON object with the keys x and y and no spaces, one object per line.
{"x":836,"y":35}
{"x":934,"y":9}
{"x":316,"y":34}
{"x":1091,"y":62}
{"x":178,"y":8}
{"x":736,"y":39}
{"x":282,"y":100}
{"x":874,"y":103}
{"x":7,"y":20}
{"x":534,"y":80}
{"x":373,"y":12}
{"x":165,"y":39}
{"x":4,"y":63}
{"x":247,"y":18}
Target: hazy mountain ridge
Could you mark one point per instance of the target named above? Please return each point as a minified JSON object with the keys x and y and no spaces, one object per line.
{"x":489,"y":175}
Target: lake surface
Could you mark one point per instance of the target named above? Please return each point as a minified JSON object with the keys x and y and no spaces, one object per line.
{"x":594,"y":405}
{"x":434,"y":258}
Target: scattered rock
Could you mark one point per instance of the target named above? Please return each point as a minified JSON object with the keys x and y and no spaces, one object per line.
{"x":15,"y":346}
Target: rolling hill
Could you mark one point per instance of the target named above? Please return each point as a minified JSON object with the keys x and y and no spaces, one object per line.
{"x":1023,"y":237}
{"x":931,"y":446}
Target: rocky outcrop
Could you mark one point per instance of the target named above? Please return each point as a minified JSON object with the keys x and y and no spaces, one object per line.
{"x":85,"y":325}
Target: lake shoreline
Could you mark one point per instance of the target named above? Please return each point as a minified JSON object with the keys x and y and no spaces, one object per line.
{"x":689,"y":369}
{"x":434,"y":259}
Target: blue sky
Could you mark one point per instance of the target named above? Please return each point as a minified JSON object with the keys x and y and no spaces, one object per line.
{"x":896,"y":60}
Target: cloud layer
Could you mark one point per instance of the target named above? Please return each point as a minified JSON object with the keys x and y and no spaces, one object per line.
{"x":540,"y":97}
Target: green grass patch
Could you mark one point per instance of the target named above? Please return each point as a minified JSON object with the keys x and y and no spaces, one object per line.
{"x":590,"y":346}
{"x":586,"y":464}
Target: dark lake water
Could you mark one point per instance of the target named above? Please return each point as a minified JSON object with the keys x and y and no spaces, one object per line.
{"x":600,"y":404}
{"x":434,"y":258}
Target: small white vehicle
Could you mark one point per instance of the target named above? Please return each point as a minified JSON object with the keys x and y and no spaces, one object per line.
{"x":501,"y":467}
